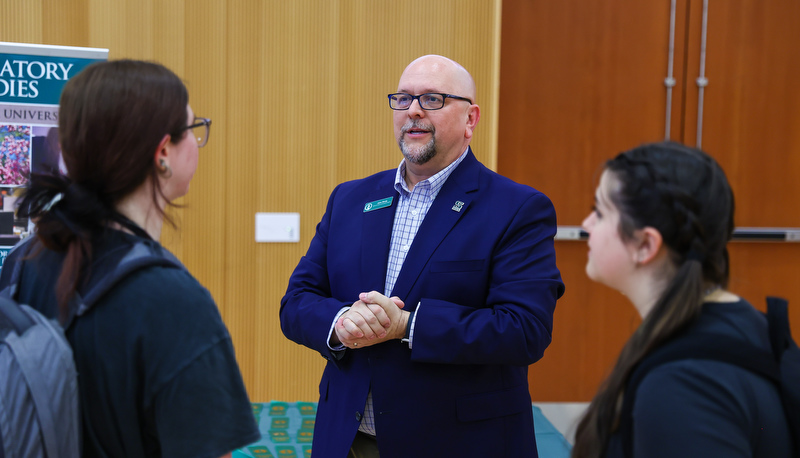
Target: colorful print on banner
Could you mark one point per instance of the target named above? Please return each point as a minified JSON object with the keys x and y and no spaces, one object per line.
{"x":15,"y":154}
{"x":31,"y":80}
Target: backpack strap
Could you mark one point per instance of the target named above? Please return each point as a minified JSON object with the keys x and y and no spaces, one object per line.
{"x":9,"y":309}
{"x":788,"y":355}
{"x":32,"y":344}
{"x":21,"y":345}
{"x":780,"y":334}
{"x":111,"y":271}
{"x":16,"y":256}
{"x":16,"y":318}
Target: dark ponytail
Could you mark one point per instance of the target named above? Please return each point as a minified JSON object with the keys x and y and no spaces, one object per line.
{"x":683,"y":193}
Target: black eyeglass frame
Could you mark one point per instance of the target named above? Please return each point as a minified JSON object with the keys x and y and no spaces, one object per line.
{"x":416,"y":97}
{"x":200,"y":122}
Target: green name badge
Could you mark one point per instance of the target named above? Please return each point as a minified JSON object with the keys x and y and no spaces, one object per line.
{"x":378,"y":204}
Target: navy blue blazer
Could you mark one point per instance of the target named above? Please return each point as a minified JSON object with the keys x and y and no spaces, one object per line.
{"x":484,"y":275}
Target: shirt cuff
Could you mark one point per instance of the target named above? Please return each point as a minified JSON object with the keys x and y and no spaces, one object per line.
{"x":412,"y":320}
{"x":339,"y":347}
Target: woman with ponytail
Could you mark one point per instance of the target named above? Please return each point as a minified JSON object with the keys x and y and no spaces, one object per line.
{"x":157,"y":370}
{"x":662,"y":217}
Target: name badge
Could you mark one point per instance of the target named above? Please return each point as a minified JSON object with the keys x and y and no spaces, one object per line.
{"x":378,"y":204}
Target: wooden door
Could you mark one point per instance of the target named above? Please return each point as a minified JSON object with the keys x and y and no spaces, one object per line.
{"x":583,"y":80}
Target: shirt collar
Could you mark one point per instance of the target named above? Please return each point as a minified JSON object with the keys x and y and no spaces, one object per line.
{"x":435,"y":182}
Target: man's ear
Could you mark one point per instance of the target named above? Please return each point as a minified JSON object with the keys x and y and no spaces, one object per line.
{"x":473,"y":115}
{"x":162,"y":152}
{"x":648,"y":243}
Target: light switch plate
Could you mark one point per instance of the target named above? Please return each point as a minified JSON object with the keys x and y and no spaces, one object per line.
{"x":278,"y":227}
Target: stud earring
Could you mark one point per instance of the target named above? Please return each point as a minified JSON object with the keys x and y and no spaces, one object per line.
{"x":165,"y":170}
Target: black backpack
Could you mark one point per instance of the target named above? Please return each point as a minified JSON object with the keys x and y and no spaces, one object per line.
{"x":39,"y":414}
{"x":781,"y":366}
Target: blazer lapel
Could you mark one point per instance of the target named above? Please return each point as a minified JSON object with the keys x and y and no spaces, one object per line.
{"x":451,"y":204}
{"x":376,"y":235}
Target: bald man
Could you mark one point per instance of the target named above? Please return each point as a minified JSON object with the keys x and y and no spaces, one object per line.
{"x":429,"y":289}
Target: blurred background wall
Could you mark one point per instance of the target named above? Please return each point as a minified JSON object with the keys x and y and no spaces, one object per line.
{"x":297,"y":93}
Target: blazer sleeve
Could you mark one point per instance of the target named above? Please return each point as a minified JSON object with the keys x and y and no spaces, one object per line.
{"x":307,"y":309}
{"x":515,"y":323}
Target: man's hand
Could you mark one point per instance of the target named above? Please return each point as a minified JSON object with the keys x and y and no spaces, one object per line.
{"x":373,"y":319}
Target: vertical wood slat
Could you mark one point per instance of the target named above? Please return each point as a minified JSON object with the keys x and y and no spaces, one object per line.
{"x":297,"y":94}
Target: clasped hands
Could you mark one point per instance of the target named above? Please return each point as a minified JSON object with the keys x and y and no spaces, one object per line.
{"x":373,"y":319}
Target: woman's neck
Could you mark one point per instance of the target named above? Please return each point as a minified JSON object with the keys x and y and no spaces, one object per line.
{"x":140,"y":208}
{"x":645,"y":293}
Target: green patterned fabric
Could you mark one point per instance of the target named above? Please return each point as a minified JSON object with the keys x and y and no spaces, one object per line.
{"x":287,"y":429}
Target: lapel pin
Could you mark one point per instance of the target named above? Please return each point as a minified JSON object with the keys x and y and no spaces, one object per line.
{"x":458,"y":205}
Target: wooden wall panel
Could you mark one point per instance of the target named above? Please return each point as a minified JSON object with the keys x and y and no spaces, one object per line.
{"x":579,"y":82}
{"x":297,"y":94}
{"x":751,"y":119}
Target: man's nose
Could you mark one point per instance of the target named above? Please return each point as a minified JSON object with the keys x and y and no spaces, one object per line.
{"x":415,"y":109}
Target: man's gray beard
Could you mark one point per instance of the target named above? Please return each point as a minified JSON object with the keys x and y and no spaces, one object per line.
{"x":423,"y":154}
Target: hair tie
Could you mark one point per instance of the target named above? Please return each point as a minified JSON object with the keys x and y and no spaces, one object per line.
{"x":56,"y":199}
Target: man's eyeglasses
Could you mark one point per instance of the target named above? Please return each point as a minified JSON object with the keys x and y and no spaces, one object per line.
{"x":429,"y":101}
{"x":200,"y":130}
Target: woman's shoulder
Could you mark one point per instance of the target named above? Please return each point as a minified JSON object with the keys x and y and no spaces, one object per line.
{"x":736,"y":323}
{"x":163,"y":290}
{"x":736,"y":319}
{"x":702,"y":380}
{"x":165,"y":311}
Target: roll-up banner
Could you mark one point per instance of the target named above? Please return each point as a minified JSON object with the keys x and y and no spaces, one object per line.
{"x":31,"y":80}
